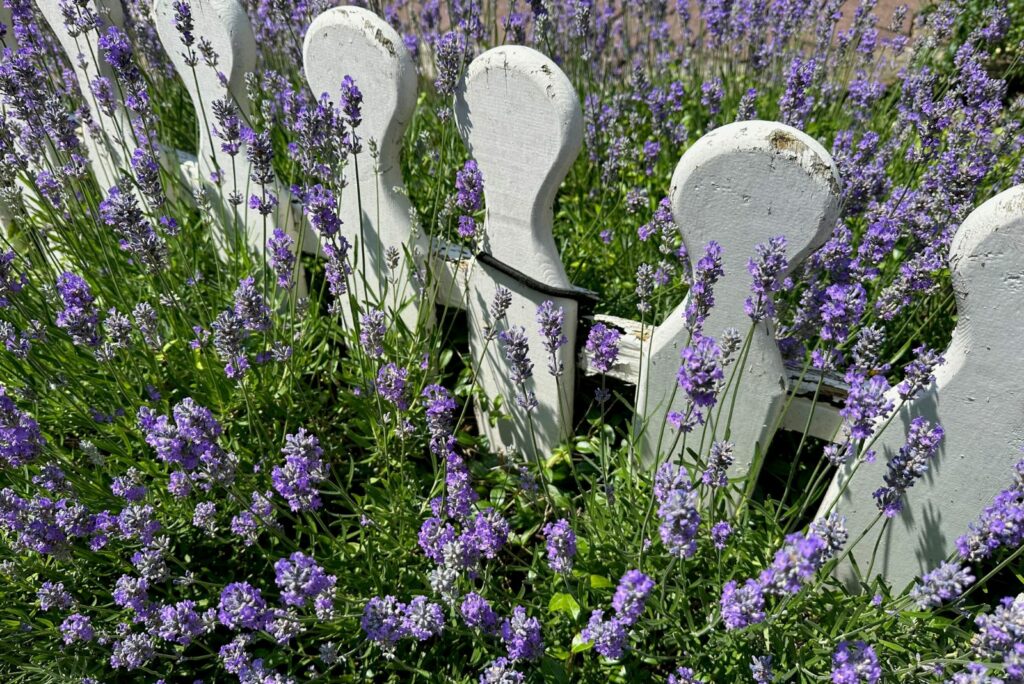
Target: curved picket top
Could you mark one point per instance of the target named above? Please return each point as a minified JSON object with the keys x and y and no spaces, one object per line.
{"x":352,"y":41}
{"x":112,"y":151}
{"x":521,"y":121}
{"x":226,"y":26}
{"x":977,"y":398}
{"x":739,"y":185}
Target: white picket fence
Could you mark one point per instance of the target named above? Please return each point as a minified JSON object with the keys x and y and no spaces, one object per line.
{"x":520,"y":119}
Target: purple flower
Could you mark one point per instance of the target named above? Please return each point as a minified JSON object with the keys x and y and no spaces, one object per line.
{"x":180,"y":623}
{"x":701,"y":296}
{"x":440,"y":413}
{"x":677,"y":511}
{"x":502,"y":671}
{"x":700,"y":374}
{"x":132,"y":652}
{"x":1001,"y":635}
{"x":469,"y":187}
{"x":766,"y":268}
{"x":250,"y":307}
{"x":281,"y":256}
{"x":684,"y":675}
{"x":351,"y":101}
{"x":371,"y":333}
{"x":855,"y":662}
{"x":321,"y":207}
{"x":608,"y":636}
{"x":603,"y":347}
{"x":918,"y":373}
{"x":383,"y":621}
{"x":865,"y":403}
{"x":303,"y":469}
{"x":242,"y":607}
{"x":631,"y":596}
{"x":561,"y":545}
{"x":76,"y":627}
{"x":761,"y":669}
{"x":720,"y":533}
{"x":719,"y":460}
{"x":909,"y":465}
{"x":21,"y":441}
{"x":1000,"y":525}
{"x":53,"y":595}
{"x":742,"y":605}
{"x":943,"y":584}
{"x":478,"y":614}
{"x":517,"y":352}
{"x":423,"y":619}
{"x":522,"y":636}
{"x":466,"y":226}
{"x":10,"y":281}
{"x":120,"y":210}
{"x":79,"y":316}
{"x":450,"y":57}
{"x":550,"y":320}
{"x":391,"y":384}
{"x":300,"y":579}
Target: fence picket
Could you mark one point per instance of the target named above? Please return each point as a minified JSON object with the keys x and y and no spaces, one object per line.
{"x":521,"y":120}
{"x":352,"y":41}
{"x":226,"y":26}
{"x":739,"y":185}
{"x":977,"y":397}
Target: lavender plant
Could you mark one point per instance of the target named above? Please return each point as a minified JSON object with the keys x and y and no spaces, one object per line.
{"x":210,"y":472}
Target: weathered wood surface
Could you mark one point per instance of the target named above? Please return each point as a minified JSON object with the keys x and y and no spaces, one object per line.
{"x":977,"y":397}
{"x":739,"y":185}
{"x":521,"y":121}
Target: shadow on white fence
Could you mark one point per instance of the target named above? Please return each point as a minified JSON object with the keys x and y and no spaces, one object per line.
{"x":739,"y":185}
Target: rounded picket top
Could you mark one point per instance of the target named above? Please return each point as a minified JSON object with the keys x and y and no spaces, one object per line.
{"x":977,"y":398}
{"x":749,"y":181}
{"x":225,"y":24}
{"x":740,"y":185}
{"x":520,"y":117}
{"x":352,"y":41}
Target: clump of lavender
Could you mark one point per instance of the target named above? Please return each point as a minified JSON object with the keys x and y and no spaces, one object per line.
{"x":79,"y":316}
{"x":11,"y":282}
{"x":478,"y":614}
{"x":677,"y":510}
{"x":371,"y":333}
{"x":561,"y":545}
{"x":719,"y":459}
{"x":21,"y":440}
{"x":522,"y":637}
{"x":303,"y":470}
{"x":391,"y":385}
{"x":609,"y":634}
{"x":550,"y":321}
{"x":469,"y":187}
{"x":517,"y":352}
{"x":766,"y":269}
{"x":701,"y":297}
{"x":855,"y":663}
{"x":942,"y":585}
{"x":1000,"y":525}
{"x":120,"y":210}
{"x":918,"y":373}
{"x":242,"y":607}
{"x":799,"y":560}
{"x":250,"y":307}
{"x":497,"y":311}
{"x":603,"y":347}
{"x":281,"y":257}
{"x":909,"y":465}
